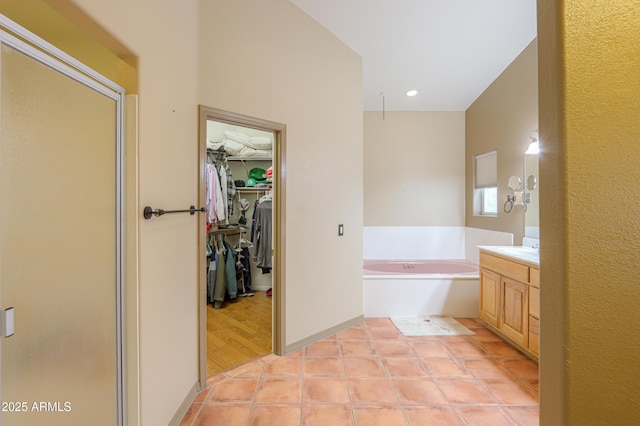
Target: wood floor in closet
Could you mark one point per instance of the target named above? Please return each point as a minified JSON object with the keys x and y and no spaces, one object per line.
{"x":238,"y":332}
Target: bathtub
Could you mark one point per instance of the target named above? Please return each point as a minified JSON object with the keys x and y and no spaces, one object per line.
{"x":416,"y":287}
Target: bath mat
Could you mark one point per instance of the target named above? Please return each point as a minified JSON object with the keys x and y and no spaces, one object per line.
{"x":432,"y":325}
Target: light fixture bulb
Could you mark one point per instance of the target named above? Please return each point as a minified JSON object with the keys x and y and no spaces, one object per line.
{"x":412,"y":92}
{"x":534,"y":148}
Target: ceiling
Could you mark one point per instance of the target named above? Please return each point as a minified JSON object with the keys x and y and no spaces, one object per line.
{"x":448,"y":50}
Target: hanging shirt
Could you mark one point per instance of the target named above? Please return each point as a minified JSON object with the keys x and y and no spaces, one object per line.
{"x":225,"y":189}
{"x":263,"y":234}
{"x":214,"y":201}
{"x":231,"y":190}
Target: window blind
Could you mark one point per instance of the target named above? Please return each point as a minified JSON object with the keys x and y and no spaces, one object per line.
{"x":486,"y":170}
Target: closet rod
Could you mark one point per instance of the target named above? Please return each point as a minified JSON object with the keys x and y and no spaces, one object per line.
{"x":148,"y":211}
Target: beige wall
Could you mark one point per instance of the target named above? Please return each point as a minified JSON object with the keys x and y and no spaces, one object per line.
{"x":501,"y":119}
{"x":167,"y":179}
{"x":264,"y":59}
{"x":414,"y":168}
{"x":590,"y":297}
{"x":270,"y":60}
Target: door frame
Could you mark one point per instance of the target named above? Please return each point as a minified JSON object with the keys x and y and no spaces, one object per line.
{"x":278,"y":312}
{"x":38,"y":49}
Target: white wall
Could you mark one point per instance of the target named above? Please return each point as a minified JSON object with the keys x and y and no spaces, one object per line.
{"x":414,"y":168}
{"x":270,"y":60}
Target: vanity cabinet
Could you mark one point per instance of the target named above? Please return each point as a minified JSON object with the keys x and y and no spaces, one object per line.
{"x":510,"y":299}
{"x":534,"y":312}
{"x":489,"y":296}
{"x":514,"y":313}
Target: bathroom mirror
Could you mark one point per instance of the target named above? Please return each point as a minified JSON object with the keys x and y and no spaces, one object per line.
{"x":531,"y":215}
{"x":514,"y":183}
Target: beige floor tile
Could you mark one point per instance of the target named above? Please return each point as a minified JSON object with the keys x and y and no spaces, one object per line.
{"x":379,"y":416}
{"x":522,"y":368}
{"x":371,"y":391}
{"x":273,"y":414}
{"x":327,"y":415}
{"x":325,"y":390}
{"x":418,"y":392}
{"x":354,"y":333}
{"x":393,"y":348}
{"x":466,"y":349}
{"x":429,"y":349}
{"x":431,"y":416}
{"x":279,"y":390}
{"x":323,"y":349}
{"x":404,"y":367}
{"x":511,"y":392}
{"x":234,"y":390}
{"x":370,"y":374}
{"x":524,"y":416}
{"x":464,"y":391}
{"x":357,"y":348}
{"x":384,"y":333}
{"x":283,"y":367}
{"x":323,"y":367}
{"x":483,"y":415}
{"x":223,"y":414}
{"x":363,"y":367}
{"x":445,"y":368}
{"x":486,"y":368}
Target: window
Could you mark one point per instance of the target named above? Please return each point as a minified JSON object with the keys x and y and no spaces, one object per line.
{"x":485,"y":197}
{"x":489,"y":201}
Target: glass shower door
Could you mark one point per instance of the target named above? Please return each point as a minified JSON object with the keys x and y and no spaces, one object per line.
{"x":58,"y":246}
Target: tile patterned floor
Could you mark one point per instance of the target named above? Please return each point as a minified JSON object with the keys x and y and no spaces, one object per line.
{"x":370,"y":374}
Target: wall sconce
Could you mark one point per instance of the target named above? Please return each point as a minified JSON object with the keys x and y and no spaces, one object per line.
{"x":534,"y":146}
{"x":521,"y":194}
{"x":519,"y":197}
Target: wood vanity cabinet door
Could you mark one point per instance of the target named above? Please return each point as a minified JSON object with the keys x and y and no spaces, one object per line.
{"x":534,"y":335}
{"x":489,"y":296}
{"x":514,"y":319}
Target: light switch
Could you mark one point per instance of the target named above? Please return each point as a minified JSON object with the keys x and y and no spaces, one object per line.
{"x":340,"y":230}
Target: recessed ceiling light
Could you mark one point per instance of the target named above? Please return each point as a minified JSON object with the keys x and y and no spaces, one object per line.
{"x":412,"y":92}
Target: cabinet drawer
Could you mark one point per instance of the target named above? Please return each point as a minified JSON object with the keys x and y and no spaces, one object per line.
{"x":534,"y":302}
{"x":534,"y":277}
{"x":534,"y":335}
{"x":505,"y":267}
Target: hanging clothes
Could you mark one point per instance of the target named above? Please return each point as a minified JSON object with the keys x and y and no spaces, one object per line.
{"x":230,"y":266}
{"x":211,"y":276}
{"x":214,"y":201}
{"x":263,"y":234}
{"x":221,"y":278}
{"x":247,"y":269}
{"x":231,"y":189}
{"x":225,"y":189}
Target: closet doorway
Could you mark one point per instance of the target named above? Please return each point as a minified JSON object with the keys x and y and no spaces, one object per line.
{"x":241,"y":243}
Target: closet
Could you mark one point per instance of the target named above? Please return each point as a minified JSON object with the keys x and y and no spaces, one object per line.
{"x":239,"y":244}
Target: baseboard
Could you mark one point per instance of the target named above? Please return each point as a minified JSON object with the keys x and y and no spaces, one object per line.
{"x":260,"y":288}
{"x":182,"y":410}
{"x":323,"y":334}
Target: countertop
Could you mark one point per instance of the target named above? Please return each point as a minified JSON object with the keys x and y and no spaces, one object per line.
{"x":525,"y":254}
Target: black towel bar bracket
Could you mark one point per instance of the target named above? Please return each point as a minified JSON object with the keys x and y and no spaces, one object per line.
{"x":148,"y":212}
